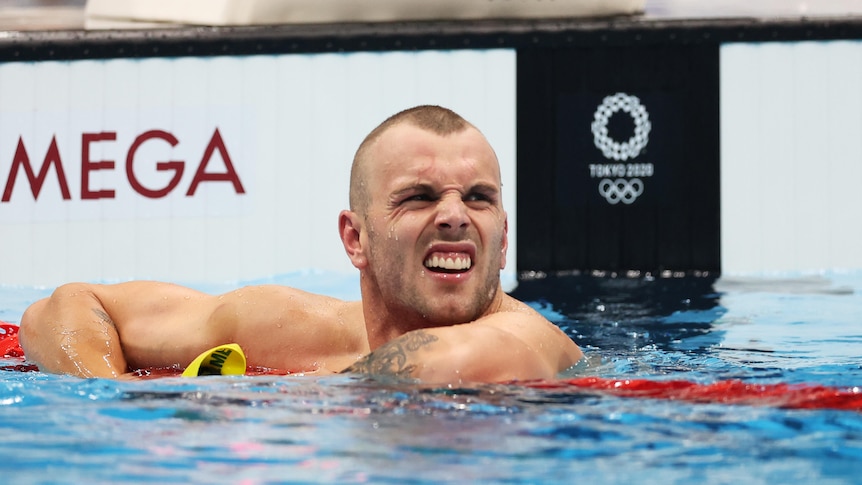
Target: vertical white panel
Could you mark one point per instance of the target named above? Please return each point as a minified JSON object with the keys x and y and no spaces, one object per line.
{"x":813,"y":105}
{"x":89,"y":242}
{"x":122,"y":240}
{"x":260,"y":90}
{"x":292,"y":165}
{"x":187,"y":94}
{"x":776,"y":159}
{"x":844,"y":149}
{"x":791,"y":114}
{"x":54,"y":255}
{"x":17,"y":93}
{"x":330,"y":155}
{"x":221,"y":86}
{"x":739,"y":135}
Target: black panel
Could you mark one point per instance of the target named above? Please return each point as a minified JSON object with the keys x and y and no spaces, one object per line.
{"x":633,"y":186}
{"x":535,"y":167}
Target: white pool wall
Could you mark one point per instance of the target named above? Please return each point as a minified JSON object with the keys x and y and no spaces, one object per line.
{"x":791,"y":157}
{"x":290,"y":125}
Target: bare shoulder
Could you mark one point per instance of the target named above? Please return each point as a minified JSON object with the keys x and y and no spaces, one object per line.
{"x":536,"y":331}
{"x":276,"y":307}
{"x":276,"y":303}
{"x":514,"y":342}
{"x":516,"y":316}
{"x":292,"y":329}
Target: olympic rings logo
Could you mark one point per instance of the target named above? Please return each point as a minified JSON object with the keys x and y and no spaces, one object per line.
{"x":621,"y":190}
{"x":633,"y":146}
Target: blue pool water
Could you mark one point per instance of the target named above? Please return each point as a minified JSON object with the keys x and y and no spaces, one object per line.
{"x":249,"y":430}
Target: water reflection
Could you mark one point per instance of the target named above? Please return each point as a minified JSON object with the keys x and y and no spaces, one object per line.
{"x":622,"y":314}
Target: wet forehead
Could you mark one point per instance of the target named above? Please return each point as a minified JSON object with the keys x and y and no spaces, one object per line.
{"x":406,"y":152}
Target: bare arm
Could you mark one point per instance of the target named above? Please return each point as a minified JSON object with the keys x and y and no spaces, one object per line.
{"x":106,"y":330}
{"x":89,"y":349}
{"x":100,"y":330}
{"x":503,"y":347}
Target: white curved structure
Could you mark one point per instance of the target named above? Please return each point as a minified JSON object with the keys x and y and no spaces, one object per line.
{"x":260,"y":12}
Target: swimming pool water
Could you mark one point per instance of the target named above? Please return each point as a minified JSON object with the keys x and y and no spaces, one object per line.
{"x":271,"y":429}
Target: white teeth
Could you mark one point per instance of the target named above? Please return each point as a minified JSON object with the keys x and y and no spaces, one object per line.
{"x":449,"y":263}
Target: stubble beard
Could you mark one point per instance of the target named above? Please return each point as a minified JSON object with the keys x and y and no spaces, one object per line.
{"x":400,"y":288}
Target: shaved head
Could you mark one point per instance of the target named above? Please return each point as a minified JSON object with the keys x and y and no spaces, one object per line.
{"x":435,"y":119}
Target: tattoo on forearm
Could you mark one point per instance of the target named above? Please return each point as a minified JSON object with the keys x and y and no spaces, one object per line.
{"x":104,"y":317}
{"x":393,"y":358}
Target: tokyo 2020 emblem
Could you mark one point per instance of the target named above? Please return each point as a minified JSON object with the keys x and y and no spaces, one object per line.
{"x":626,"y":186}
{"x":614,"y":149}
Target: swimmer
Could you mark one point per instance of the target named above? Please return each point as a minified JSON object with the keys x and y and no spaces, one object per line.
{"x":427,"y":231}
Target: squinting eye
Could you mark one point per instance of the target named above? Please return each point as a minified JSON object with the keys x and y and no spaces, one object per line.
{"x":476,"y":197}
{"x":418,"y":198}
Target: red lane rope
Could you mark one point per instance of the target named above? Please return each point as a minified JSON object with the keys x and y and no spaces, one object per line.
{"x":791,"y":396}
{"x":9,"y":346}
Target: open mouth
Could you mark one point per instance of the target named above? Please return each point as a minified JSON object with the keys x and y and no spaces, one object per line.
{"x":448,"y":263}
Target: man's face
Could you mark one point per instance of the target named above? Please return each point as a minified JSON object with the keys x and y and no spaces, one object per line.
{"x":435,"y":227}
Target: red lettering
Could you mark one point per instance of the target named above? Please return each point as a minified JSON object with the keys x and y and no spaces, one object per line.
{"x":37,"y":181}
{"x":88,"y":165}
{"x":216,"y":143}
{"x":52,"y":157}
{"x":175,"y":165}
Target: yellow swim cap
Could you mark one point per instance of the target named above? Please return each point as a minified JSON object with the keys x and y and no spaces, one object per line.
{"x":225,"y":360}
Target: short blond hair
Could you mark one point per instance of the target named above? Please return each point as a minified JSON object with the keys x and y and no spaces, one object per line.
{"x":436,"y":119}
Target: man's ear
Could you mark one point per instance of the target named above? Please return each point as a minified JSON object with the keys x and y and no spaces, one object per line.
{"x":350,"y":230}
{"x":505,"y":245}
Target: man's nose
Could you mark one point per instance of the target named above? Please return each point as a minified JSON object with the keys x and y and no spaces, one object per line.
{"x":452,"y":213}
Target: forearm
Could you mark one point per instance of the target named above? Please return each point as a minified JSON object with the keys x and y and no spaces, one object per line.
{"x":72,"y":333}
